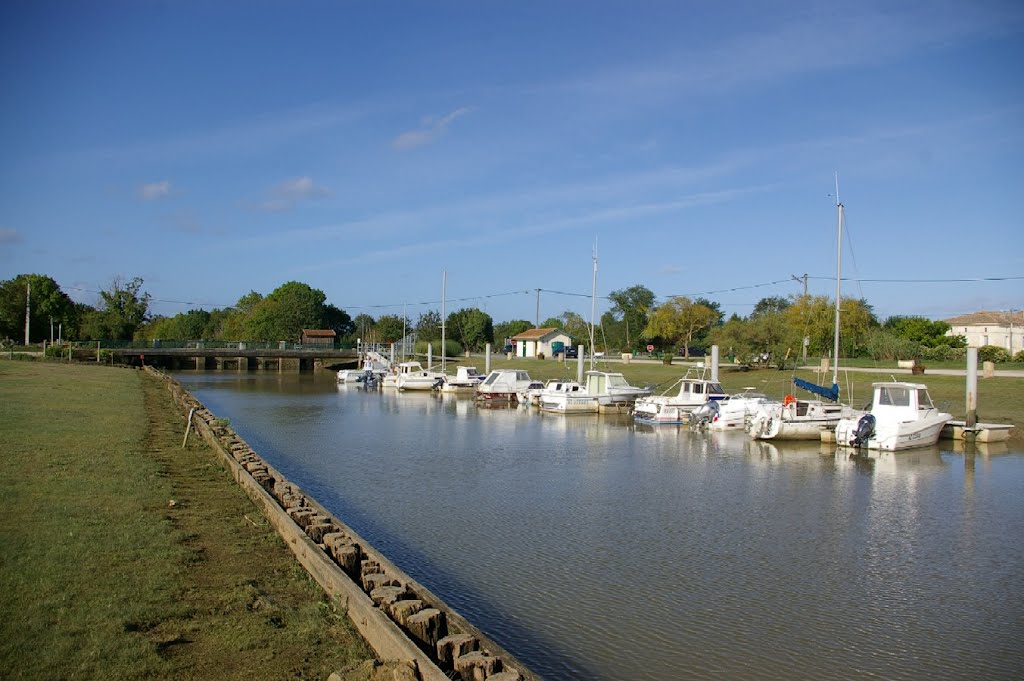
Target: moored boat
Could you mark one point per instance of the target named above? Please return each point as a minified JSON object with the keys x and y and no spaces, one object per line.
{"x":502,"y":385}
{"x":693,"y":392}
{"x":902,"y":416}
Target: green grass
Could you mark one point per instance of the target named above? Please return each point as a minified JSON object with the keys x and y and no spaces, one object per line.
{"x":1000,"y":400}
{"x":100,"y":577}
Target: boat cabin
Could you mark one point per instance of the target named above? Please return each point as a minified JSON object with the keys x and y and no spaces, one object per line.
{"x":900,"y":401}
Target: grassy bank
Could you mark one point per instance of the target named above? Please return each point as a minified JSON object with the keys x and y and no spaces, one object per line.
{"x":1000,"y":400}
{"x":101,"y":575}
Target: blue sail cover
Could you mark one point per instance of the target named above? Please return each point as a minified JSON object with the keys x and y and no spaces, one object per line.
{"x":828,"y":393}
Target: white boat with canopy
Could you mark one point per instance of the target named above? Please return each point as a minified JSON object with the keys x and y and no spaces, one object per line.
{"x":902,"y":416}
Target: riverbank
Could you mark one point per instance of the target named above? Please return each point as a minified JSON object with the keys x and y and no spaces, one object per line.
{"x":125,"y":555}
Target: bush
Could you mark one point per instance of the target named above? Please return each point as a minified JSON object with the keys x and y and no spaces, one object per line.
{"x":1019,"y":357}
{"x":944,"y":353}
{"x":993,"y":353}
{"x":452,"y":348}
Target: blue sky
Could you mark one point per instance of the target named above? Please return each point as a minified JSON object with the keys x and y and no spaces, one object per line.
{"x":213,"y":148}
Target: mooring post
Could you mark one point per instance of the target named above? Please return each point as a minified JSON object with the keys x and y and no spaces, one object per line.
{"x":714,"y":363}
{"x":972,"y":391}
{"x":430,"y":354}
{"x":579,"y":363}
{"x":487,"y":359}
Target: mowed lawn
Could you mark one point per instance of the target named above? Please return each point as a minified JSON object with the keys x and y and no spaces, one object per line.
{"x":123,"y":555}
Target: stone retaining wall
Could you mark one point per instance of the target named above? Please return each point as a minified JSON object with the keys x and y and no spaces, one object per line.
{"x":398,"y":617}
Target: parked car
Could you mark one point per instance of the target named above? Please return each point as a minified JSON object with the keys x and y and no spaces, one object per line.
{"x":571,"y":352}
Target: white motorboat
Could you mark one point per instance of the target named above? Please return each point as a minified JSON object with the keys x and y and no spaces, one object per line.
{"x":902,"y":416}
{"x":732,"y":412}
{"x":412,"y":376}
{"x":530,"y":395}
{"x":674,"y":409}
{"x":567,"y":397}
{"x":502,"y":385}
{"x":357,"y":375}
{"x":466,"y":380}
{"x":603,"y":389}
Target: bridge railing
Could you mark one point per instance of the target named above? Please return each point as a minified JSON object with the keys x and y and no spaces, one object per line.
{"x":109,"y":344}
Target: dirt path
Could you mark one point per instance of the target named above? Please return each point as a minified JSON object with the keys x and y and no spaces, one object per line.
{"x":245,"y":608}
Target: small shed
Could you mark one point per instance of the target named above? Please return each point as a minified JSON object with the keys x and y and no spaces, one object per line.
{"x":323,"y":337}
{"x":535,"y":342}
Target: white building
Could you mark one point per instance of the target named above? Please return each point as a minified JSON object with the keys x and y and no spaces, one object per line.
{"x":1002,"y":329}
{"x":539,"y":341}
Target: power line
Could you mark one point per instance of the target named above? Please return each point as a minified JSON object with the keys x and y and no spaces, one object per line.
{"x":537,"y":291}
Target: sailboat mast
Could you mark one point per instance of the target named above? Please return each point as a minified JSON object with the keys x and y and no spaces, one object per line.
{"x":593,"y":309}
{"x":444,"y":286}
{"x":839,"y":267}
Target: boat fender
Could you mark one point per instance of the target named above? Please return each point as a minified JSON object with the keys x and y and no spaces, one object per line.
{"x":864,"y":430}
{"x":788,"y":400}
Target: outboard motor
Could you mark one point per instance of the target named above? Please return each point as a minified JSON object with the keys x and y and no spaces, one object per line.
{"x":864,"y":430}
{"x":702,"y":415}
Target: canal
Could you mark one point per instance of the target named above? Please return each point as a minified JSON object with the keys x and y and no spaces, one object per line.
{"x":593,"y":548}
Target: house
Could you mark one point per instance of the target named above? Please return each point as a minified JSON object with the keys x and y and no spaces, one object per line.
{"x":322,"y":337}
{"x":535,"y":342}
{"x":1002,"y":329}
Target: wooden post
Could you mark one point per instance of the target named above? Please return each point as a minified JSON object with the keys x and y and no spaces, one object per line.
{"x":972,"y":389}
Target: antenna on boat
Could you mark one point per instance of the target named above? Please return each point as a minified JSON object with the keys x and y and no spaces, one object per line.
{"x":593,"y":307}
{"x":444,"y":285}
{"x":839,"y":265}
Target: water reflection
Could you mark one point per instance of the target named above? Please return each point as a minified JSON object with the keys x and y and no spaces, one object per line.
{"x":595,"y":548}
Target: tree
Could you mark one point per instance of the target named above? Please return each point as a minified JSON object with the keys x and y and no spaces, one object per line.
{"x":572,"y":323}
{"x":774,"y":304}
{"x":923,"y":331}
{"x":122,"y":311}
{"x":428,"y":326}
{"x":677,"y":321}
{"x":510,"y":328}
{"x":391,"y":328}
{"x":632,"y":305}
{"x":336,"y":319}
{"x":471,"y":327}
{"x":47,"y":301}
{"x":363,"y":328}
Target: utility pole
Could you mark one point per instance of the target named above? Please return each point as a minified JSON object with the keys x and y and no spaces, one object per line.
{"x":536,"y":323}
{"x":28,"y":307}
{"x":798,"y":280}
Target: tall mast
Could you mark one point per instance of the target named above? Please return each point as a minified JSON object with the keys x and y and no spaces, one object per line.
{"x":593,"y":308}
{"x":444,"y":285}
{"x":839,"y":267}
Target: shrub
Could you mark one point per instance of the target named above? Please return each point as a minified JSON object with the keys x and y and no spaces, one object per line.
{"x":993,"y":353}
{"x":1019,"y":357}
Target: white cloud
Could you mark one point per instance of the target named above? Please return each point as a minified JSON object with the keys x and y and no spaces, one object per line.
{"x":431,"y":129}
{"x":9,"y":235}
{"x":155,"y":190}
{"x":287,"y":194}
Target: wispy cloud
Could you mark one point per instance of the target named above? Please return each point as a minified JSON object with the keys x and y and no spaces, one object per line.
{"x":154,"y":191}
{"x":286,"y":195}
{"x":429,"y":131}
{"x":783,"y":49}
{"x":9,"y":235}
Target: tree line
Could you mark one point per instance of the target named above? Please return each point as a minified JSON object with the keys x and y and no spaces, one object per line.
{"x":778,"y":327}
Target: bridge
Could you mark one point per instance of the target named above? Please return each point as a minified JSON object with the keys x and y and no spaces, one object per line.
{"x":237,"y":356}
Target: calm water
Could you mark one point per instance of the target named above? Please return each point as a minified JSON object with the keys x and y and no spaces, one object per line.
{"x":593,"y":548}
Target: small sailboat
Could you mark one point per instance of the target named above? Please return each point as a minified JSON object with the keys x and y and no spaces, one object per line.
{"x":798,"y":419}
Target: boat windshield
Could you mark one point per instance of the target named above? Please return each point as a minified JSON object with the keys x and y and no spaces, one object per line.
{"x":492,"y":378}
{"x":894,"y":395}
{"x":715,"y":389}
{"x":617,"y":381}
{"x":924,"y":400}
